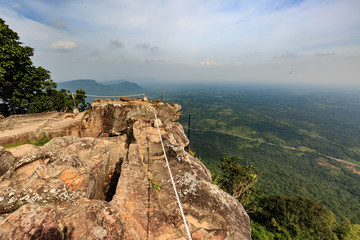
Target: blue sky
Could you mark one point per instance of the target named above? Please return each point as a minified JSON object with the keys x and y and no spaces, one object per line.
{"x":259,"y":41}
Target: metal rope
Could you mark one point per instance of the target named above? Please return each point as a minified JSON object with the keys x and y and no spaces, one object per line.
{"x":171,"y":177}
{"x":142,"y":94}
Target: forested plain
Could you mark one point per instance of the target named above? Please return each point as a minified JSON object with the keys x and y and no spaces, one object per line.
{"x":305,"y":143}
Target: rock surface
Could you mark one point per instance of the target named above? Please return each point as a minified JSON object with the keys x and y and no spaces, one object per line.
{"x":7,"y":160}
{"x":116,"y":186}
{"x":22,"y":150}
{"x":30,"y":127}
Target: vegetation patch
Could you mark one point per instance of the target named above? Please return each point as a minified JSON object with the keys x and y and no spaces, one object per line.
{"x":305,"y":149}
{"x":154,"y":185}
{"x":40,"y":142}
{"x":13,"y":145}
{"x":279,"y":216}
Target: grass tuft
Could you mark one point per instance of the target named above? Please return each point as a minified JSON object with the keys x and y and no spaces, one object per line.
{"x":154,"y":185}
{"x":40,"y":142}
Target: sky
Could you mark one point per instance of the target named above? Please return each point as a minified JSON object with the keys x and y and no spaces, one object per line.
{"x":257,"y":41}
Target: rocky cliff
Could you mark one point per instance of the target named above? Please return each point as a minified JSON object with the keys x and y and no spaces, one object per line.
{"x":103,"y":176}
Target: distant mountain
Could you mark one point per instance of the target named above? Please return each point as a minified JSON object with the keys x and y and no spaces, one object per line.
{"x":114,"y":82}
{"x":92,"y":87}
{"x":145,"y":82}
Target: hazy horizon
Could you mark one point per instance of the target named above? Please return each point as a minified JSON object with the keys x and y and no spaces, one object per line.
{"x":152,"y":84}
{"x":299,"y":42}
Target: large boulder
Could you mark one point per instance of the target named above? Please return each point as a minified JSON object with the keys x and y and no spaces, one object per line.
{"x":86,"y":219}
{"x":115,"y":117}
{"x":63,"y":170}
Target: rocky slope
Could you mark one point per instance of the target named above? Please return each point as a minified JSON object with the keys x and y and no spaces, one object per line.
{"x":103,"y":176}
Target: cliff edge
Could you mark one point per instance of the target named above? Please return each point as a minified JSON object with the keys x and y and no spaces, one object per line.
{"x":103,"y":176}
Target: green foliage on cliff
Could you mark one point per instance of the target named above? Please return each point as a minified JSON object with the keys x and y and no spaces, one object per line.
{"x":236,"y":179}
{"x":288,"y":217}
{"x":280,"y":216}
{"x":295,"y":218}
{"x":25,"y":88}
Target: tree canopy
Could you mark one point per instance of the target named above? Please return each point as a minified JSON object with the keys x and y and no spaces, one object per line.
{"x":237,"y":179}
{"x":280,"y":216}
{"x":25,"y":88}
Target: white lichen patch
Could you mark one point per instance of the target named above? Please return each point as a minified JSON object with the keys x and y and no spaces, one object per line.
{"x":179,"y":158}
{"x":100,"y":232}
{"x":25,"y":198}
{"x":11,"y":200}
{"x":190,"y":182}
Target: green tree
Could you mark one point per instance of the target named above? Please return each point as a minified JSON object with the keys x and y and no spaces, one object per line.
{"x":80,"y":101}
{"x":354,"y":232}
{"x":280,"y":216}
{"x":20,"y":82}
{"x":296,"y":217}
{"x":237,"y":179}
{"x":25,"y":88}
{"x":348,"y":231}
{"x":61,"y":100}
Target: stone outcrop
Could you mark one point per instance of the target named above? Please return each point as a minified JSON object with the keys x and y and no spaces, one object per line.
{"x":7,"y":160}
{"x":22,"y":150}
{"x":115,"y":186}
{"x":112,"y":117}
{"x":30,"y":127}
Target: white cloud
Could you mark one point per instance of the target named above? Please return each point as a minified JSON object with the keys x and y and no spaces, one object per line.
{"x":284,"y":36}
{"x":209,"y":63}
{"x":287,"y":55}
{"x":143,"y":46}
{"x":325,"y":54}
{"x":64,"y":45}
{"x":147,"y":47}
{"x":117,"y":42}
